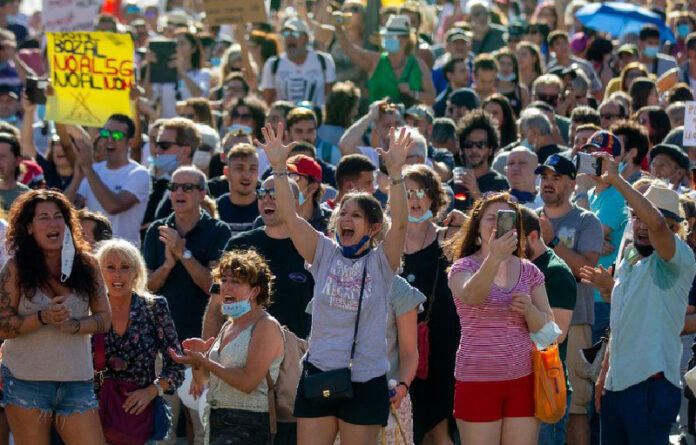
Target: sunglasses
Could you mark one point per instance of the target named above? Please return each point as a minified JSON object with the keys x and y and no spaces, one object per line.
{"x":415,"y":193}
{"x":551,"y":100}
{"x":468,"y":145}
{"x":164,"y":145}
{"x":186,"y":187}
{"x":115,"y":134}
{"x":287,"y":33}
{"x":262,"y":193}
{"x":241,"y":116}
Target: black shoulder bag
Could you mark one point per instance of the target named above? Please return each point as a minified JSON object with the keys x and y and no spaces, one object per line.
{"x":329,"y":387}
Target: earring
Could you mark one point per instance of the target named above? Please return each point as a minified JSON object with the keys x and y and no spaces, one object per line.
{"x":477,"y":241}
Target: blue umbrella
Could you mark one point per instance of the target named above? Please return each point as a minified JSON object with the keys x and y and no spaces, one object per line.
{"x":620,"y":18}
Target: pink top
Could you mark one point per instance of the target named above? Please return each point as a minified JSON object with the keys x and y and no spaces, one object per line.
{"x":495,"y":343}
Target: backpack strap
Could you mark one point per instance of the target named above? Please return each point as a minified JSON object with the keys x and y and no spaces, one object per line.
{"x":322,"y":62}
{"x":274,"y":65}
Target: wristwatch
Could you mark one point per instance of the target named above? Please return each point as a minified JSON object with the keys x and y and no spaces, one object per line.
{"x":554,"y":242}
{"x":160,"y":390}
{"x":187,"y":255}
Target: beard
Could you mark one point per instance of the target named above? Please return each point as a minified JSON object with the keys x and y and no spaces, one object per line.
{"x":645,"y":250}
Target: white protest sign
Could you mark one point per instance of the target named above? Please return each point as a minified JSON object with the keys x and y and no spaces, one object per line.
{"x":690,"y":124}
{"x":69,"y":15}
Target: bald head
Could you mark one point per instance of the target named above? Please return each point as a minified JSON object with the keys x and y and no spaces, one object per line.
{"x":521,"y":163}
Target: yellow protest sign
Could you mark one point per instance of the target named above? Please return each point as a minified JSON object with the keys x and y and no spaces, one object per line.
{"x":91,"y":73}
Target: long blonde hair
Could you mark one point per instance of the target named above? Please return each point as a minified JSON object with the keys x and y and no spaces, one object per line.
{"x":131,"y":255}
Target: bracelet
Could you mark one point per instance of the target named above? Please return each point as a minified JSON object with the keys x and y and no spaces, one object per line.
{"x":396,"y":181}
{"x":405,"y":385}
{"x":75,"y":320}
{"x":280,"y":174}
{"x":554,"y":242}
{"x":41,"y":320}
{"x":415,"y":96}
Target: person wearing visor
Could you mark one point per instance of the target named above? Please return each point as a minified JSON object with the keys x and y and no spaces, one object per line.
{"x":395,"y":73}
{"x":300,"y":73}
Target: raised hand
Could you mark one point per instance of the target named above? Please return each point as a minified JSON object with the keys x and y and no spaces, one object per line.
{"x":276,"y":151}
{"x":610,"y":169}
{"x":597,"y":277}
{"x":399,"y":146}
{"x":501,"y":248}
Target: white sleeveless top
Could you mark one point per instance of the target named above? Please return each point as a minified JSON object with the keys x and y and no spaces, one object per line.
{"x":48,"y":354}
{"x":234,"y":355}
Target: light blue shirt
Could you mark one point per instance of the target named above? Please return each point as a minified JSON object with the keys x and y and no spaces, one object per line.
{"x":648,"y":305}
{"x":610,"y":208}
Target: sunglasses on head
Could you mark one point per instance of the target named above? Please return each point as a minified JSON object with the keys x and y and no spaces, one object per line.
{"x":415,"y":193}
{"x":186,"y":187}
{"x":262,"y":193}
{"x":468,"y":145}
{"x":164,"y":145}
{"x":115,"y":134}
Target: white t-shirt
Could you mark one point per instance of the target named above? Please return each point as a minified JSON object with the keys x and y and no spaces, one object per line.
{"x":132,"y":178}
{"x":299,"y":82}
{"x":166,"y":92}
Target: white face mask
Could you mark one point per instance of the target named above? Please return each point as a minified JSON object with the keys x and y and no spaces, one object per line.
{"x":201,"y":159}
{"x":67,"y":255}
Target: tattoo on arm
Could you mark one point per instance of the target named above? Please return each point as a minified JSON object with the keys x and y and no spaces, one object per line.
{"x":10,"y":322}
{"x":99,"y":321}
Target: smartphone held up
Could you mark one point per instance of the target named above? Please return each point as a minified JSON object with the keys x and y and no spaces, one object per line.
{"x":506,"y":220}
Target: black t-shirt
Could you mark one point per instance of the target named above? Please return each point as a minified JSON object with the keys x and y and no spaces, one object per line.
{"x":218,"y":186}
{"x":239,"y":218}
{"x":53,"y":179}
{"x":293,"y":286}
{"x":489,"y":182}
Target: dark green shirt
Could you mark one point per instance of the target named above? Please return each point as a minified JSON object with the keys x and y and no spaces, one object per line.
{"x":187,"y":301}
{"x":560,"y":286}
{"x":7,"y":197}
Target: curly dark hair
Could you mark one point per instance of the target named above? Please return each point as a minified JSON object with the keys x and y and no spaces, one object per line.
{"x":250,"y":267}
{"x":478,"y":120}
{"x":257,"y":108}
{"x":464,"y":243}
{"x":32,"y":271}
{"x":430,"y":182}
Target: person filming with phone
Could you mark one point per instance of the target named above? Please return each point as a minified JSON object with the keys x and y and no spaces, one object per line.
{"x":640,"y":377}
{"x":503,"y":308}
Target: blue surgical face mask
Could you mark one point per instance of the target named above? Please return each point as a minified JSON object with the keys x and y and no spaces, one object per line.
{"x":301,"y":199}
{"x":244,"y":128}
{"x":683,"y":30}
{"x":507,"y":78}
{"x":525,"y":143}
{"x":622,"y":166}
{"x":215,"y":61}
{"x":426,"y":216}
{"x":236,"y":309}
{"x":352,"y":251}
{"x":651,"y":51}
{"x":390,"y":44}
{"x":166,"y":163}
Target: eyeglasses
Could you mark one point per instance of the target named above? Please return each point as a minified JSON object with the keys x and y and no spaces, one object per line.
{"x":289,"y":32}
{"x":242,"y":116}
{"x":186,"y":187}
{"x":165,"y":145}
{"x":262,"y":193}
{"x":115,"y":134}
{"x":416,"y":193}
{"x":609,"y":116}
{"x":468,"y":145}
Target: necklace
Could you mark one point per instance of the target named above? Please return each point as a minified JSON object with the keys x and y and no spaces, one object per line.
{"x":425,"y":238}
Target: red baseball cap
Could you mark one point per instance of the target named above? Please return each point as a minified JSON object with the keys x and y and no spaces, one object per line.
{"x":304,"y":165}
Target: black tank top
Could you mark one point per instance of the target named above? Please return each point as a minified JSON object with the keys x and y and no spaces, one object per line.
{"x":515,"y":98}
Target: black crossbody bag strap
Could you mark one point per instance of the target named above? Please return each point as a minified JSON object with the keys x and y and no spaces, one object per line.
{"x":357,"y":319}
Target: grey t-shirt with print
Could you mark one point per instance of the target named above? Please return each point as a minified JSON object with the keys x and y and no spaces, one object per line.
{"x":580,"y":231}
{"x":403,"y":298}
{"x":336,"y":292}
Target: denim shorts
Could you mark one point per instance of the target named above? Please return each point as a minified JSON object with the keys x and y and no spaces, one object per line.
{"x":61,"y":398}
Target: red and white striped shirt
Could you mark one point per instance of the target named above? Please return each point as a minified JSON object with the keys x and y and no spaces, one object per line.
{"x":495,"y":343}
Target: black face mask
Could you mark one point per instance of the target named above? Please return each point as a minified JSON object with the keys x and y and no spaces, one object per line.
{"x":644,"y":250}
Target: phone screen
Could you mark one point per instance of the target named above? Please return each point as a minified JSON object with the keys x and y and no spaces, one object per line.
{"x":506,"y":220}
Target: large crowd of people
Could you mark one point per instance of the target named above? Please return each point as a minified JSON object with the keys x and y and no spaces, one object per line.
{"x":356,"y":222}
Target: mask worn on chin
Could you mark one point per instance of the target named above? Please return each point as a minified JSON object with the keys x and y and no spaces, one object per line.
{"x":10,"y":120}
{"x":236,"y":309}
{"x":201,"y":159}
{"x":426,"y":216}
{"x":644,"y":251}
{"x":683,"y":30}
{"x":352,"y":251}
{"x":390,"y":44}
{"x":651,"y":51}
{"x":528,"y":145}
{"x":507,"y":78}
{"x":622,"y":166}
{"x":166,"y":163}
{"x":522,"y":196}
